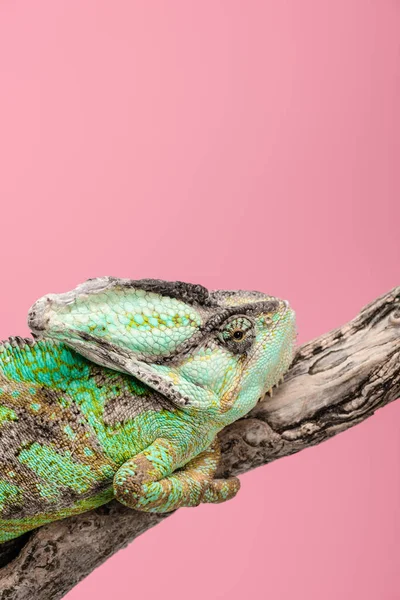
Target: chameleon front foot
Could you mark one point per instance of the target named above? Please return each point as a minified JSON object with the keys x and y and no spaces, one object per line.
{"x":141,"y":482}
{"x":221,"y":490}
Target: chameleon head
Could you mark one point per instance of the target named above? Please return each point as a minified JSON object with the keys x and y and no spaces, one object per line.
{"x":218,"y":351}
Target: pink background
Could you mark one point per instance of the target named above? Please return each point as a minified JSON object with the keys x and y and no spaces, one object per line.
{"x":235,"y":144}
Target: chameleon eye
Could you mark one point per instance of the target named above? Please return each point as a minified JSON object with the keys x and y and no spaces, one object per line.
{"x":237,"y":334}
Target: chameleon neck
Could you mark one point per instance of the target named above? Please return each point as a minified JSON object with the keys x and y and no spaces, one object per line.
{"x":55,"y":383}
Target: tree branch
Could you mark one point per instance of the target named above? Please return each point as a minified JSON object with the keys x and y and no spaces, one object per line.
{"x":335,"y":382}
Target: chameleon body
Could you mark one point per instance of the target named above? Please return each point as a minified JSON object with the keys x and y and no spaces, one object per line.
{"x":123,"y":391}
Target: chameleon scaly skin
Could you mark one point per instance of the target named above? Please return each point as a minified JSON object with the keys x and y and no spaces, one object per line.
{"x":123,"y":393}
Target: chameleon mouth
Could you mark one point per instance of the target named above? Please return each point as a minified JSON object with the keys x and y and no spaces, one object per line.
{"x":109,"y":355}
{"x":122,"y":360}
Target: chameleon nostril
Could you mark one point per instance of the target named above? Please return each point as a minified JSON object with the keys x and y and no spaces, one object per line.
{"x":38,"y":317}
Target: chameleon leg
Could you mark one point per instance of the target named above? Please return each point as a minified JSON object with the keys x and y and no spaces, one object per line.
{"x":148,"y":482}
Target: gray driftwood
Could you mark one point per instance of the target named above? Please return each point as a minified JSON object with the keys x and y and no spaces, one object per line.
{"x":335,"y":382}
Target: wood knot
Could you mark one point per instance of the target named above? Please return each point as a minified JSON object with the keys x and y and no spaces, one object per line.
{"x":394,"y":317}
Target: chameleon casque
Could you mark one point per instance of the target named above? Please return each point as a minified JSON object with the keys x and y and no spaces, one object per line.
{"x":122,"y":392}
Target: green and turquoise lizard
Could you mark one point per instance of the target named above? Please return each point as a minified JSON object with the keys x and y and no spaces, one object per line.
{"x":123,"y":391}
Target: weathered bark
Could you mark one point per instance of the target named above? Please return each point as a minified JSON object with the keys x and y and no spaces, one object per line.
{"x":335,"y":382}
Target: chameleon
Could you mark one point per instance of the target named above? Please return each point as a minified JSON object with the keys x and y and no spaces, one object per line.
{"x":121,"y":391}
